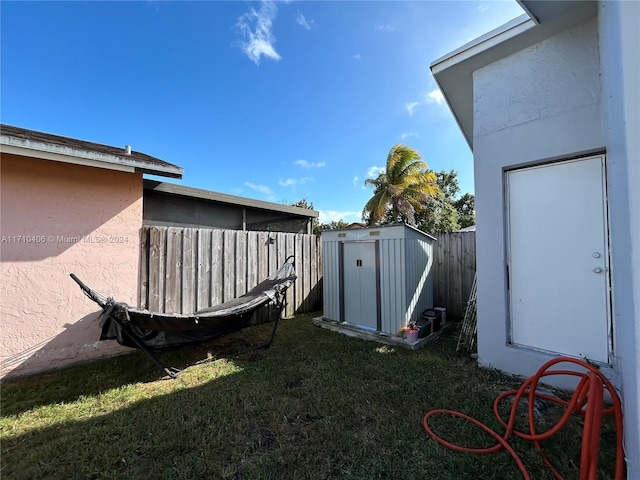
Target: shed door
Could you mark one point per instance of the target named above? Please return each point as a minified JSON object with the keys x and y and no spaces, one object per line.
{"x":360,"y":287}
{"x":558,"y":258}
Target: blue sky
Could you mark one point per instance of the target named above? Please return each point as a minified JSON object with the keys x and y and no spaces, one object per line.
{"x":275,"y":101}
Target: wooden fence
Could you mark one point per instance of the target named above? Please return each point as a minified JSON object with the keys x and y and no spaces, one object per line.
{"x":185,"y":269}
{"x":454,"y":267}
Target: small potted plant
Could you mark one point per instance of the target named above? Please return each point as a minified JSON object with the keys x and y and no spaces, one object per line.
{"x":411,"y":331}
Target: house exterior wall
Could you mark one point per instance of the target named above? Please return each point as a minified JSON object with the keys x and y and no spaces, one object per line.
{"x":619,"y":24}
{"x":540,"y":104}
{"x":58,"y":219}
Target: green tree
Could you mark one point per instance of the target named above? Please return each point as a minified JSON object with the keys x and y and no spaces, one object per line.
{"x":402,"y":190}
{"x":447,"y":214}
{"x":304,"y":203}
{"x":466,"y":207}
{"x":333,"y":225}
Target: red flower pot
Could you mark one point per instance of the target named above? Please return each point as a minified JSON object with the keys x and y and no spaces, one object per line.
{"x":412,"y":335}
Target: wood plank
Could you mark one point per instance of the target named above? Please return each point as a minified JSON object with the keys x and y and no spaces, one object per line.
{"x":455,"y":273}
{"x":307,"y":282}
{"x":240,"y":264}
{"x":143,"y":271}
{"x":469,"y":264}
{"x":189,"y":270}
{"x":263,"y":255}
{"x":216,"y":267}
{"x":228,"y":262}
{"x":262,"y":267}
{"x":204,"y":269}
{"x":441,"y":279}
{"x":173,"y":272}
{"x":272,"y":246}
{"x":299,"y":285}
{"x":252,"y":260}
{"x":156,"y":269}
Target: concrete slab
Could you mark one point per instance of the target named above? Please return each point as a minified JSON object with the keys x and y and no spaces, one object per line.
{"x":356,"y":331}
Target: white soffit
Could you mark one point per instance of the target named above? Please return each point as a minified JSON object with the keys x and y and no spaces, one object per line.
{"x":453,"y":72}
{"x":483,"y":43}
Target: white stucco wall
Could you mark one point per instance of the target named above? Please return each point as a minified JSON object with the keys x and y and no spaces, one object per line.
{"x":619,"y":48}
{"x":575,"y":93}
{"x":539,"y":104}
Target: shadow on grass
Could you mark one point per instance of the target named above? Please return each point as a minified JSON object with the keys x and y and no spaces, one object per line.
{"x":317,"y":405}
{"x":63,"y":385}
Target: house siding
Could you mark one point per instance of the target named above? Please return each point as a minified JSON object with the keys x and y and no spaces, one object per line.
{"x":619,"y":24}
{"x":540,"y":104}
{"x":58,"y":219}
{"x":570,"y":94}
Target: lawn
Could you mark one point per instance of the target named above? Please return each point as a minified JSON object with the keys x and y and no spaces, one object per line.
{"x":317,"y":405}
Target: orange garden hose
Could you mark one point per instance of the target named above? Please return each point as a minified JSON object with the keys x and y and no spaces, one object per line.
{"x":587,"y":400}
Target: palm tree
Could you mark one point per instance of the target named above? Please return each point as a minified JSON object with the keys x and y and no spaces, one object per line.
{"x":404,"y":188}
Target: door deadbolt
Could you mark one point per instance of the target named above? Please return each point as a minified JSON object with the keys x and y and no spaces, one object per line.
{"x":596,"y":255}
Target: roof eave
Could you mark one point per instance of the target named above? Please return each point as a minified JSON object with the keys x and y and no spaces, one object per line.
{"x":484,"y":42}
{"x":66,"y":154}
{"x":453,"y":72}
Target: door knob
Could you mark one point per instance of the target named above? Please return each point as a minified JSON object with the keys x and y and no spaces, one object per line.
{"x":596,"y":255}
{"x":597,"y":270}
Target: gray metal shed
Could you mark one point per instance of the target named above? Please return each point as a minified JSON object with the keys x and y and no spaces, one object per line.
{"x":377,"y":278}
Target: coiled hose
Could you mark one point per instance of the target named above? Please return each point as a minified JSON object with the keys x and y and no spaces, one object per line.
{"x":587,"y":400}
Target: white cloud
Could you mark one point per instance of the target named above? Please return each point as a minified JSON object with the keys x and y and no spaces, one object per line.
{"x":411,"y":106}
{"x":255,"y":27}
{"x":306,"y":164}
{"x":434,"y":96}
{"x":483,"y":7}
{"x":355,"y":181}
{"x":385,"y":28}
{"x":259,"y":188}
{"x":356,"y":56}
{"x":303,"y":22}
{"x":290,"y":182}
{"x":373,"y":172}
{"x":287,"y":182}
{"x":406,"y":135}
{"x":328,"y":216}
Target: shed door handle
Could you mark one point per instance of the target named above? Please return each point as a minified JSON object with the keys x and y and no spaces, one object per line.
{"x":358,"y":263}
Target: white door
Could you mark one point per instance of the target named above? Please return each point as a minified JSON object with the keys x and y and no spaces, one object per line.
{"x":558,"y":258}
{"x":360,"y":286}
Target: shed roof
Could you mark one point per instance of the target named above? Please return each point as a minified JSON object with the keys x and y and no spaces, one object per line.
{"x":366,"y":229}
{"x":31,"y":143}
{"x":454,"y":71}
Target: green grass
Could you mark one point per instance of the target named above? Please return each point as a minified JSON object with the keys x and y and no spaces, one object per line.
{"x":317,"y":405}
